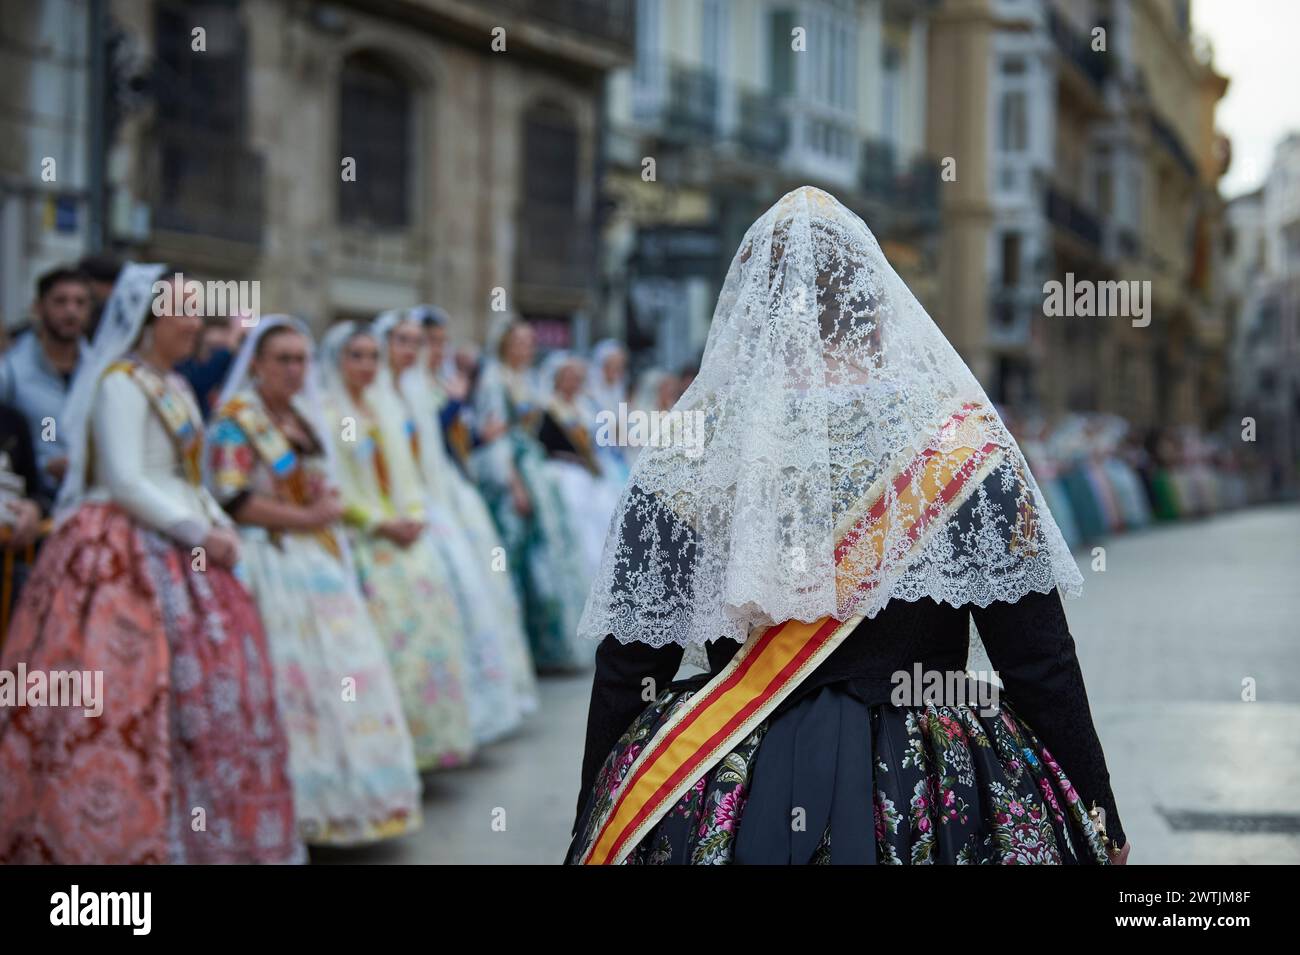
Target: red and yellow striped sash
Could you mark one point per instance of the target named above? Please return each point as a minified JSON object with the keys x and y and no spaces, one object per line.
{"x":774,"y":661}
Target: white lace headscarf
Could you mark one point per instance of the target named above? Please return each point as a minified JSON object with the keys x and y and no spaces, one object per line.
{"x":405,"y":486}
{"x":124,"y":317}
{"x":823,"y":384}
{"x":606,"y":395}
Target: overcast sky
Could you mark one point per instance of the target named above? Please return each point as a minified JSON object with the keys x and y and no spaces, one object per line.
{"x":1256,"y":47}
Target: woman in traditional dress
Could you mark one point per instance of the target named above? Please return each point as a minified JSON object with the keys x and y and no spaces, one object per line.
{"x":854,"y":501}
{"x":494,"y":705}
{"x":522,"y":495}
{"x":403,"y":579}
{"x":1072,"y":448}
{"x":1110,"y":434}
{"x":584,"y":476}
{"x":351,"y":759}
{"x":1047,"y":469}
{"x":656,"y":391}
{"x":606,"y":391}
{"x":183,"y":758}
{"x":1166,"y":504}
{"x":438,"y":390}
{"x":607,"y":376}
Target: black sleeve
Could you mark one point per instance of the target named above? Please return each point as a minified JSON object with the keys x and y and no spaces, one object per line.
{"x":617,"y":699}
{"x":1030,"y":645}
{"x":16,"y":441}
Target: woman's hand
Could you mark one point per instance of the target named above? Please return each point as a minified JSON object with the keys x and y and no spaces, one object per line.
{"x":519,"y":495}
{"x":403,"y":532}
{"x":456,"y":385}
{"x":26,"y":524}
{"x":222,"y":547}
{"x":325,"y":511}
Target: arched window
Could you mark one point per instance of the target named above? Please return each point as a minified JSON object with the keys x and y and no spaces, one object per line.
{"x":375,"y":130}
{"x":555,"y":243}
{"x":550,"y":157}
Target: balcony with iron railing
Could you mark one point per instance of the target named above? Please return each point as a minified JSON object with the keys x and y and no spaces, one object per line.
{"x":879,"y":168}
{"x":1168,"y":138}
{"x":204,"y":185}
{"x":761,"y":127}
{"x":1075,"y":46}
{"x":919,"y":186}
{"x":692,"y":104}
{"x":1069,"y":216}
{"x":676,"y":100}
{"x":907,"y":192}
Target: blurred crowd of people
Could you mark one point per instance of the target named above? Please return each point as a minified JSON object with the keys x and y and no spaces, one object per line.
{"x":308,"y":571}
{"x":1102,"y":476}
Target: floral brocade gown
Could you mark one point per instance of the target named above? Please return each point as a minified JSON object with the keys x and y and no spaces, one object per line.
{"x":845,"y":771}
{"x":542,"y":547}
{"x":351,"y":756}
{"x":933,"y":784}
{"x":410,"y":603}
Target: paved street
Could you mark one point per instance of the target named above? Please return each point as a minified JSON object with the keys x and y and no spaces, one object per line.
{"x":1167,"y":634}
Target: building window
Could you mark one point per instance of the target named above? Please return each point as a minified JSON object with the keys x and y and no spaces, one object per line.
{"x":555,"y":243}
{"x":781,"y":78}
{"x":648,"y":71}
{"x":375,"y":130}
{"x":551,"y":158}
{"x":892,"y":92}
{"x":200,"y":91}
{"x":1010,"y":259}
{"x":204,"y":180}
{"x":1013,"y":126}
{"x":715,"y":31}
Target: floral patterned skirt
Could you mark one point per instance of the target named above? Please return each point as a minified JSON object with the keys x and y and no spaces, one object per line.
{"x":188,"y":760}
{"x":351,"y":758}
{"x":830,"y":779}
{"x":415,"y":613}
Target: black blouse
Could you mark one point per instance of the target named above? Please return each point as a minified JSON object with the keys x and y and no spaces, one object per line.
{"x":1028,"y":643}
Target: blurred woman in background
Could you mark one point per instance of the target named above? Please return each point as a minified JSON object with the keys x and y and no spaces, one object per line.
{"x":495,"y":707}
{"x":538,"y":531}
{"x":187,"y":760}
{"x":351,"y":758}
{"x":403,"y":579}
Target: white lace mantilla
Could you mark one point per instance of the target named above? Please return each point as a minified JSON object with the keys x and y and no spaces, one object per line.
{"x":824,"y":386}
